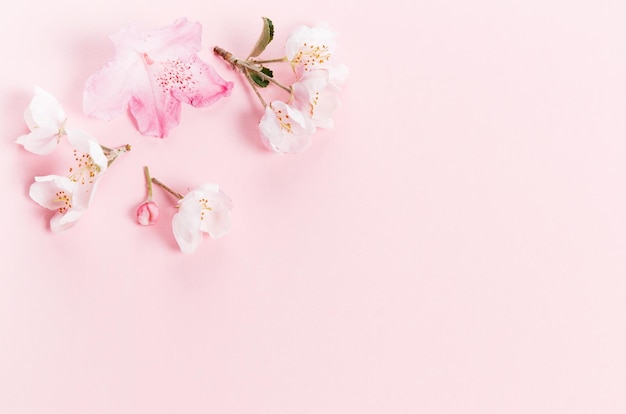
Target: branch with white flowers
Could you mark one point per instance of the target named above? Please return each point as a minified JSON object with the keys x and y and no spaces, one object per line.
{"x":288,"y":125}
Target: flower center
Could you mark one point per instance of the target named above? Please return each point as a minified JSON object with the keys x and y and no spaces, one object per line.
{"x":86,"y":171}
{"x":314,"y":102}
{"x":61,"y":131}
{"x":284,"y":121}
{"x":311,"y":55}
{"x":147,"y":59}
{"x":176,"y":75}
{"x":204,"y":203}
{"x":65,"y":199}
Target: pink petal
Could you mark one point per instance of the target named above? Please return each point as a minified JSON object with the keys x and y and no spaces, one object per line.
{"x":198,"y":84}
{"x":147,"y":213}
{"x":152,"y":73}
{"x":108,"y":91}
{"x":179,"y":40}
{"x":155,"y":113}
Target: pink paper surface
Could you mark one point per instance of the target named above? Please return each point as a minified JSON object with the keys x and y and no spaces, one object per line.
{"x":456,"y":244}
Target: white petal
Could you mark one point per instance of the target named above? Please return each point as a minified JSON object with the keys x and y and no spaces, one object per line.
{"x":310,"y":48}
{"x":187,"y":235}
{"x":45,"y":190}
{"x":321,"y":34}
{"x":97,"y":155}
{"x":85,"y":143}
{"x":338,"y":75}
{"x":62,"y":222}
{"x":314,"y":95}
{"x":45,"y":111}
{"x":40,"y":141}
{"x":217,"y":194}
{"x":30,"y":121}
{"x":285,"y":129}
{"x":186,"y":224}
{"x":84,"y":193}
{"x":216,"y":221}
{"x":79,"y":139}
{"x":209,"y":189}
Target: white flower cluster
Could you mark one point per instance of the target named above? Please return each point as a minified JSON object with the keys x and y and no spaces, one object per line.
{"x":69,"y":195}
{"x":287,"y":127}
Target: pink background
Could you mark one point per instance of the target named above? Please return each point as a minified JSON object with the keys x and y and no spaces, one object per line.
{"x":455,"y":245}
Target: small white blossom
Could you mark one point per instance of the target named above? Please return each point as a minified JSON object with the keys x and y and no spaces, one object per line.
{"x":286,"y":129}
{"x":204,"y":210}
{"x":46,"y":121}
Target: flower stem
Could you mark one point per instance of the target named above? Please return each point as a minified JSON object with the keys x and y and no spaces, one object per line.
{"x":263,"y":61}
{"x":146,"y":171}
{"x":166,"y":188}
{"x":243,"y":65}
{"x":256,"y":91}
{"x":113,"y":153}
{"x":263,"y":75}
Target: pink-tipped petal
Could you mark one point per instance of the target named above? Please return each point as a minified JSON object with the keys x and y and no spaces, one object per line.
{"x":155,"y":114}
{"x":147,"y":213}
{"x":108,"y":91}
{"x":151,"y":74}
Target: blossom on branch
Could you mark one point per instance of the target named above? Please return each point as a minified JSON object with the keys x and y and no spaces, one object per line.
{"x":203,"y":210}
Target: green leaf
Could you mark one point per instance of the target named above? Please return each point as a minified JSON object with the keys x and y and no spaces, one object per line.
{"x":266,"y":37}
{"x":259,"y":80}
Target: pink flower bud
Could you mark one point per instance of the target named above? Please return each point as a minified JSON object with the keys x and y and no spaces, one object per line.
{"x":147,"y":213}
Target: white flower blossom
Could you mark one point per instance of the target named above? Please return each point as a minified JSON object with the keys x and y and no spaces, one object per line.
{"x":204,"y":210}
{"x":286,"y":129}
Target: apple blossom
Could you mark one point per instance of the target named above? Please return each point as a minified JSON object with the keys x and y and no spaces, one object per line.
{"x":315,"y":96}
{"x":153,"y":72}
{"x":71,"y":195}
{"x":57,"y":193}
{"x":286,"y":129}
{"x":287,"y":126}
{"x":310,"y":48}
{"x":204,"y":210}
{"x":46,"y":121}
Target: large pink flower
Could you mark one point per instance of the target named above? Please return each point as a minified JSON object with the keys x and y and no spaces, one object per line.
{"x":151,"y":74}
